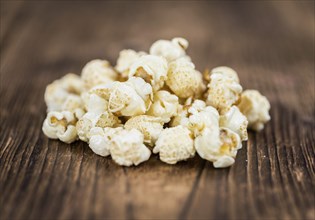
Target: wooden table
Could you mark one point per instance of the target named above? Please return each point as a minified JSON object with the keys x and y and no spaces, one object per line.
{"x":269,"y":43}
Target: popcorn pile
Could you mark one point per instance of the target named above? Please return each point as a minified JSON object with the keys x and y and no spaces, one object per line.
{"x":156,"y":102}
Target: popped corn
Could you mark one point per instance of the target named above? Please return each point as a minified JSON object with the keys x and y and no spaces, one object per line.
{"x":60,"y":125}
{"x":236,"y":121}
{"x":157,"y":100}
{"x":153,"y":69}
{"x":149,"y":126}
{"x":94,"y":102}
{"x":188,"y":109}
{"x":97,"y":72}
{"x":64,"y":93}
{"x":200,"y":117}
{"x":100,"y":140}
{"x":223,"y":92}
{"x":71,"y":103}
{"x":94,"y":119}
{"x":130,"y":98}
{"x":184,"y":80}
{"x":226,"y":72}
{"x":127,"y":148}
{"x":256,"y":109}
{"x":175,"y":144}
{"x":182,"y":112}
{"x":164,"y":105}
{"x":125,"y":60}
{"x":219,"y":146}
{"x":96,"y":116}
{"x":170,"y":50}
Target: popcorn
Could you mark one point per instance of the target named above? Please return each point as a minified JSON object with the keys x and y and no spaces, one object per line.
{"x":184,"y":80}
{"x":218,"y":145}
{"x":94,"y":103}
{"x":164,"y":105}
{"x":190,"y":110}
{"x":223,"y":91}
{"x":175,"y":144}
{"x":102,"y":91}
{"x":125,"y":60}
{"x":170,"y":50}
{"x":236,"y":121}
{"x":130,"y":98}
{"x":97,"y":116}
{"x":226,"y":72}
{"x":60,"y":125}
{"x":127,"y":148}
{"x":256,"y":109}
{"x":72,"y":102}
{"x":153,"y":69}
{"x":142,"y":88}
{"x":200,"y":117}
{"x":97,"y":72}
{"x":64,"y":93}
{"x":83,"y":126}
{"x":157,"y":100}
{"x":182,"y":112}
{"x":93,"y":119}
{"x":149,"y":126}
{"x":100,"y":140}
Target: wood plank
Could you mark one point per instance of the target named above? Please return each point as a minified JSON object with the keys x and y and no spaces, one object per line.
{"x":270,"y":44}
{"x":9,"y":17}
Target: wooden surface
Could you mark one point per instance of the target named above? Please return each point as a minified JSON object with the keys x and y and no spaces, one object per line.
{"x":269,"y":43}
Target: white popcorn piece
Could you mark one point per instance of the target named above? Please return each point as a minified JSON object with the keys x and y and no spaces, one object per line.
{"x":164,"y":105}
{"x":97,"y":72}
{"x":100,"y":140}
{"x":125,"y":60}
{"x":72,"y":83}
{"x":153,"y":69}
{"x":130,"y":98}
{"x":200,"y":117}
{"x":97,"y":115}
{"x":218,"y":145}
{"x":182,"y":42}
{"x":94,"y":103}
{"x":191,"y":111}
{"x":95,"y":119}
{"x":64,"y":93}
{"x":149,"y":126}
{"x":127,"y":148}
{"x":226,"y":72}
{"x":256,"y":109}
{"x":79,"y":112}
{"x":236,"y":121}
{"x":125,"y":101}
{"x":72,"y":102}
{"x":69,"y":136}
{"x":223,"y":92}
{"x":184,"y":80}
{"x":143,"y":89}
{"x":195,"y":105}
{"x":60,"y":125}
{"x":102,"y":91}
{"x":83,"y":126}
{"x":170,"y":50}
{"x":182,"y":112}
{"x":175,"y":144}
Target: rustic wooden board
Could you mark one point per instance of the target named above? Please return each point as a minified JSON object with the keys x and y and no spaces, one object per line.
{"x":269,"y":43}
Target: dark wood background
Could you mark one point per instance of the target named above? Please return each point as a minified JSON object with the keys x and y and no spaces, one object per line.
{"x":269,"y":43}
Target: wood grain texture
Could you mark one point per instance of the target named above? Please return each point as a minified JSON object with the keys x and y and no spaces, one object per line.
{"x":269,"y":43}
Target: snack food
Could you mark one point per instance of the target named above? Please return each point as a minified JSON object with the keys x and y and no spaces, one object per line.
{"x":156,"y":101}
